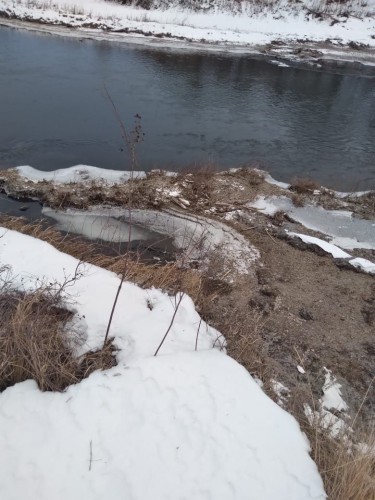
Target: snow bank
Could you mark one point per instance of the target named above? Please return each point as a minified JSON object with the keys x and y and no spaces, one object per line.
{"x":359,"y":263}
{"x":335,"y":251}
{"x":77,"y":173}
{"x":185,"y":424}
{"x":141,"y":317}
{"x":363,"y":264}
{"x":246,"y":25}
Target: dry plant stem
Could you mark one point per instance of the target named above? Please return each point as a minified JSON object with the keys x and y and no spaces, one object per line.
{"x":90,"y":455}
{"x":196,"y":339}
{"x":131,"y":149}
{"x":171,"y":323}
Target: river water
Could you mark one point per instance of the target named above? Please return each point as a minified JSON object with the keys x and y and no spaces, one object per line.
{"x":194,"y":108}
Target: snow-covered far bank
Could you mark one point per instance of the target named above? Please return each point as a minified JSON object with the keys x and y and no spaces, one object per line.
{"x":185,"y":424}
{"x":244,"y":24}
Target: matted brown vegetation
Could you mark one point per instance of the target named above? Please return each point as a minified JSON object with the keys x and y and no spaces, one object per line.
{"x":347,"y":472}
{"x":345,"y":460}
{"x":35,"y":342}
{"x":303,"y":186}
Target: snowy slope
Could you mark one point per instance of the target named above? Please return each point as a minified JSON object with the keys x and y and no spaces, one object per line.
{"x":243,"y":23}
{"x":184,"y":425}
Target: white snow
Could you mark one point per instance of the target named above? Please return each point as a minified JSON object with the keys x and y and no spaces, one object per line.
{"x":326,"y":420}
{"x":336,"y":252}
{"x":242,"y":24}
{"x":281,"y":391}
{"x":77,"y":173}
{"x":324,"y":414}
{"x":137,"y":329}
{"x":280,"y":64}
{"x":332,"y":399}
{"x":268,"y":178}
{"x":363,"y":264}
{"x":268,"y":205}
{"x":184,"y":424}
{"x":341,"y":226}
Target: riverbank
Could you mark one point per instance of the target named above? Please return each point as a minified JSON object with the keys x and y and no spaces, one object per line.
{"x":327,"y":235}
{"x":286,"y":35}
{"x":265,"y":263}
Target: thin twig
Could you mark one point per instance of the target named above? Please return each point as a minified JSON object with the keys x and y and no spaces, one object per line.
{"x":196,"y":339}
{"x":171,"y":323}
{"x":131,"y":150}
{"x":90,"y":455}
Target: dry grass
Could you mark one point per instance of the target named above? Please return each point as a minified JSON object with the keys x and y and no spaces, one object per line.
{"x":81,"y":195}
{"x":345,"y":458}
{"x":347,"y":474}
{"x":253,"y":176}
{"x":347,"y":469}
{"x":303,"y":186}
{"x":244,"y":342}
{"x":35,"y":345}
{"x":278,"y":218}
{"x":199,"y":182}
{"x":298,"y":200}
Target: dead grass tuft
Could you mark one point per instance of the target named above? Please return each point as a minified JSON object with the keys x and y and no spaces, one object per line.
{"x":345,"y":458}
{"x":35,"y":345}
{"x":303,"y":186}
{"x":347,"y":469}
{"x":253,"y":176}
{"x":347,"y":473}
{"x":278,"y":218}
{"x":298,"y":200}
{"x":198,"y":182}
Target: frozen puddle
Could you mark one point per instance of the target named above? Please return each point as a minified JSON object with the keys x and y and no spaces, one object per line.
{"x":100,"y":226}
{"x":196,"y":236}
{"x":342,"y":228}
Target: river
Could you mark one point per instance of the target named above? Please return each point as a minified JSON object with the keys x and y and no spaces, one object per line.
{"x":195,"y":108}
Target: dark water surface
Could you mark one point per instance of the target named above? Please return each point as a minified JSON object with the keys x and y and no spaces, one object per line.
{"x":231,"y":110}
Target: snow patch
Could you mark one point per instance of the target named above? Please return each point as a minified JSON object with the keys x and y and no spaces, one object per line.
{"x":331,"y":402}
{"x":78,"y":173}
{"x":336,"y":252}
{"x":281,"y":391}
{"x":340,"y":225}
{"x":160,"y":427}
{"x":332,"y":398}
{"x":363,"y":264}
